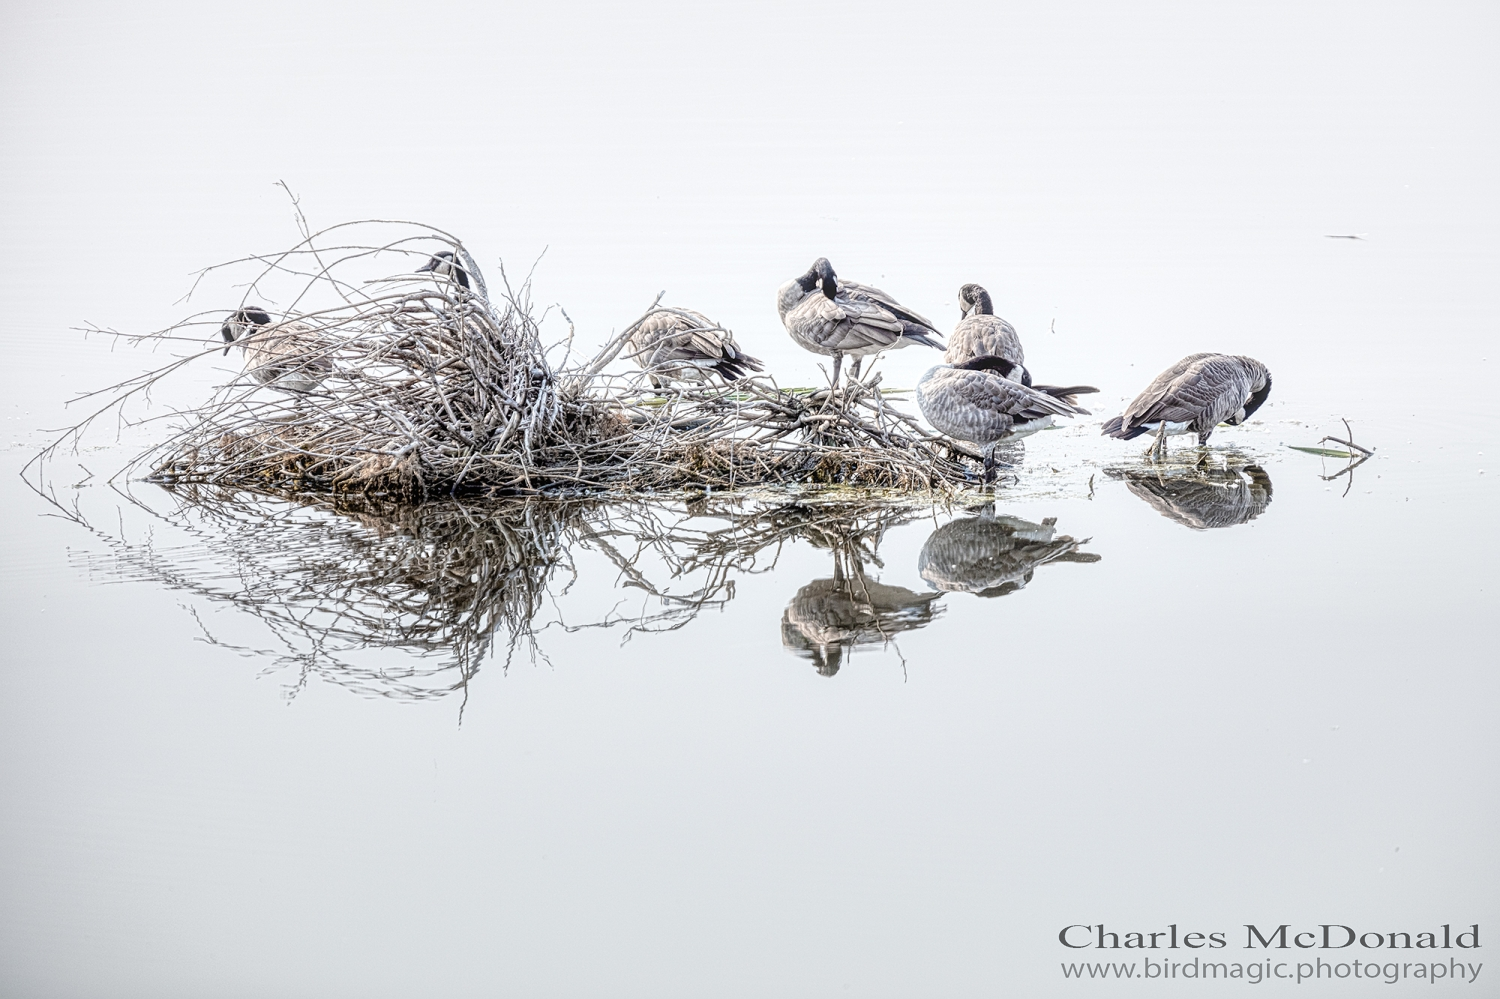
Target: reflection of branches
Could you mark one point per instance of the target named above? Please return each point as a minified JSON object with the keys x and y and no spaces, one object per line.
{"x":437,"y":581}
{"x":1349,"y":471}
{"x":338,"y":583}
{"x":747,"y":542}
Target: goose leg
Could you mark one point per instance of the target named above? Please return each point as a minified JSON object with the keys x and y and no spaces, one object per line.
{"x":833,"y":385}
{"x":854,"y":370}
{"x":1158,"y":448}
{"x":991,"y":465}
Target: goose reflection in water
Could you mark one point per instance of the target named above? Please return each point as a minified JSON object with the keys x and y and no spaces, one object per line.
{"x":991,"y":555}
{"x":831,"y":617}
{"x":1201,"y":498}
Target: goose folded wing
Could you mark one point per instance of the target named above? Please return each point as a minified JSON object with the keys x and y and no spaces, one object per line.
{"x":1213,"y":391}
{"x":863,"y":292}
{"x":1145,"y":408}
{"x":651,"y":331}
{"x":987,"y":390}
{"x":853,"y":324}
{"x":703,"y":342}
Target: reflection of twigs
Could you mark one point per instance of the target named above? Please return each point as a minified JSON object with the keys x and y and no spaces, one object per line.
{"x":342,"y":585}
{"x":1346,"y":471}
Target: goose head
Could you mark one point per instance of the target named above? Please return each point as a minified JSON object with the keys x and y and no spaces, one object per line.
{"x":444,"y":264}
{"x":1260,"y":390}
{"x":974,"y":300}
{"x":242,"y":322}
{"x":820,"y":276}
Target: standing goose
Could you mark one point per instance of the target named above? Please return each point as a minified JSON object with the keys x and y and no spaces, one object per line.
{"x":829,"y":316}
{"x":1194,"y":396}
{"x":444,"y":265}
{"x":683,"y":345}
{"x":289,"y":355}
{"x":978,"y":401}
{"x":981,"y":333}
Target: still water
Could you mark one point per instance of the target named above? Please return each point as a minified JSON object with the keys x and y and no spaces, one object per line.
{"x":765,"y":743}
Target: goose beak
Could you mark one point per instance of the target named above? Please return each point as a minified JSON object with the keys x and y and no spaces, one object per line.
{"x":228,"y":338}
{"x":431,"y":265}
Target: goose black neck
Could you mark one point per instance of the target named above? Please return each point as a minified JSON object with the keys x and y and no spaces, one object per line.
{"x":987,"y":362}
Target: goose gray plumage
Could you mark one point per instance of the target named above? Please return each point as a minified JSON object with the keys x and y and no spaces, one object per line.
{"x":833,"y":317}
{"x":976,"y":401}
{"x":444,"y":264}
{"x":991,"y":556}
{"x":829,"y":617}
{"x":683,"y":345}
{"x":1202,"y":499}
{"x":981,"y":333}
{"x":288,"y":355}
{"x":1194,"y":396}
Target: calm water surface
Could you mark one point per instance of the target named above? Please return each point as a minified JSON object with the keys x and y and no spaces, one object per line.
{"x":765,"y":744}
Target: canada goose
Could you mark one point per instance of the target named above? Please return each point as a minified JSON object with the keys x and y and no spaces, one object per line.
{"x":829,"y":617}
{"x":1194,"y":396}
{"x":444,"y":264}
{"x":1202,"y":499}
{"x":683,"y":345}
{"x":991,"y":556}
{"x":829,"y":316}
{"x":289,"y":355}
{"x":981,"y":333}
{"x":976,"y":401}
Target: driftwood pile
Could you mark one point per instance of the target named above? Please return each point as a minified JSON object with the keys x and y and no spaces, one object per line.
{"x":439,"y":390}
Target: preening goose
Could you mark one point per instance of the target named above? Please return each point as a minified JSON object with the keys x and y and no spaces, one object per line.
{"x":833,"y":317}
{"x":976,"y":401}
{"x":288,"y":355}
{"x":444,"y":264}
{"x":981,"y":333}
{"x":1194,"y":396}
{"x":683,"y":345}
{"x":1201,"y":499}
{"x":991,"y":556}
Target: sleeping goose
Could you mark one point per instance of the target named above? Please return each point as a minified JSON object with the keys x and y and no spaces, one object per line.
{"x":1194,"y":396}
{"x":683,"y":345}
{"x":978,"y":401}
{"x":444,"y":265}
{"x":288,"y":355}
{"x":981,"y":333}
{"x":829,"y":316}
